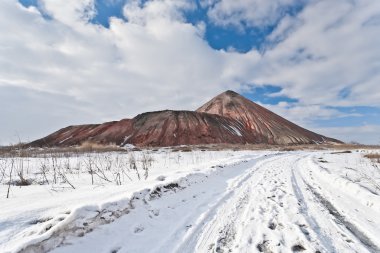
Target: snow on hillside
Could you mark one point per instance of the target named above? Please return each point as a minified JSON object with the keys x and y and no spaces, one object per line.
{"x":198,"y":201}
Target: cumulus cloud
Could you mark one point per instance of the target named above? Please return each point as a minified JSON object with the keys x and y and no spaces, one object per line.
{"x":318,"y":58}
{"x":114,"y":72}
{"x":153,"y":59}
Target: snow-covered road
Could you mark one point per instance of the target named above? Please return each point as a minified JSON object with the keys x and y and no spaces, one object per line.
{"x":262,"y":202}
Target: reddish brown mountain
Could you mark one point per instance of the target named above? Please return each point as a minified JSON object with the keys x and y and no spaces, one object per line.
{"x":227,"y":118}
{"x":264,"y":125}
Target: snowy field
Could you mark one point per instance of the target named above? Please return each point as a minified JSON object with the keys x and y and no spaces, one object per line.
{"x":198,"y":201}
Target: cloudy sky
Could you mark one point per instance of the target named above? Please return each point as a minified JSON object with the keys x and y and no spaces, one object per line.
{"x":66,"y":62}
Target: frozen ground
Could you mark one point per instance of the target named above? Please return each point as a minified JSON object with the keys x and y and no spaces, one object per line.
{"x":225,"y":201}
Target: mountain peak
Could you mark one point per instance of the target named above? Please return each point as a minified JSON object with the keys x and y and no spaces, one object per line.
{"x":230,"y":93}
{"x":225,"y":103}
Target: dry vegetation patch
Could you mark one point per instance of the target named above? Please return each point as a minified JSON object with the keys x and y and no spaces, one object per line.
{"x":65,"y":167}
{"x":22,"y":150}
{"x":374,"y":157}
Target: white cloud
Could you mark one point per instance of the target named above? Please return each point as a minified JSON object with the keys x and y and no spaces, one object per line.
{"x":303,"y":114}
{"x":157,"y":61}
{"x":70,"y":12}
{"x":327,"y":49}
{"x":112,"y":73}
{"x":139,"y":12}
{"x":366,"y":134}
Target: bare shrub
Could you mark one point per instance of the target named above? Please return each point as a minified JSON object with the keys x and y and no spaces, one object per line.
{"x":146,"y":161}
{"x":10,"y":175}
{"x":55,"y":167}
{"x":122,"y":166}
{"x":22,"y":181}
{"x":58,"y":167}
{"x":117,"y":169}
{"x":133,"y":165}
{"x":89,"y":162}
{"x":44,"y":170}
{"x":65,"y":179}
{"x":3,"y":166}
{"x":103,"y":163}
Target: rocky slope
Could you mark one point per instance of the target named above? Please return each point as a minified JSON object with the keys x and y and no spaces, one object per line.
{"x":227,"y":118}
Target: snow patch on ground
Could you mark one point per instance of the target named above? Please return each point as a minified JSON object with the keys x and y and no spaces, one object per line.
{"x":314,"y":201}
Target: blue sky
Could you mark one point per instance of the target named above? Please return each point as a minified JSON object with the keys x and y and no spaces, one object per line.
{"x":106,"y":58}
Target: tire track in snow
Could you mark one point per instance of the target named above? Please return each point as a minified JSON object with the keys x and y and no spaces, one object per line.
{"x":360,"y":235}
{"x":324,"y":240}
{"x":203,"y":233}
{"x":261,"y":204}
{"x":333,"y":215}
{"x":281,"y":221}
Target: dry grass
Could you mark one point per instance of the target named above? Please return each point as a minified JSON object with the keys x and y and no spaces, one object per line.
{"x":96,"y":147}
{"x":87,"y":147}
{"x":91,"y":147}
{"x":374,"y":157}
{"x":341,"y":148}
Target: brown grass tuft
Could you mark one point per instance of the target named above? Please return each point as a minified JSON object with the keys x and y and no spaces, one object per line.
{"x":374,"y":157}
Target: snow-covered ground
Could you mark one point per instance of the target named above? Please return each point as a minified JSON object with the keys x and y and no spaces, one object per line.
{"x":199,"y":201}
